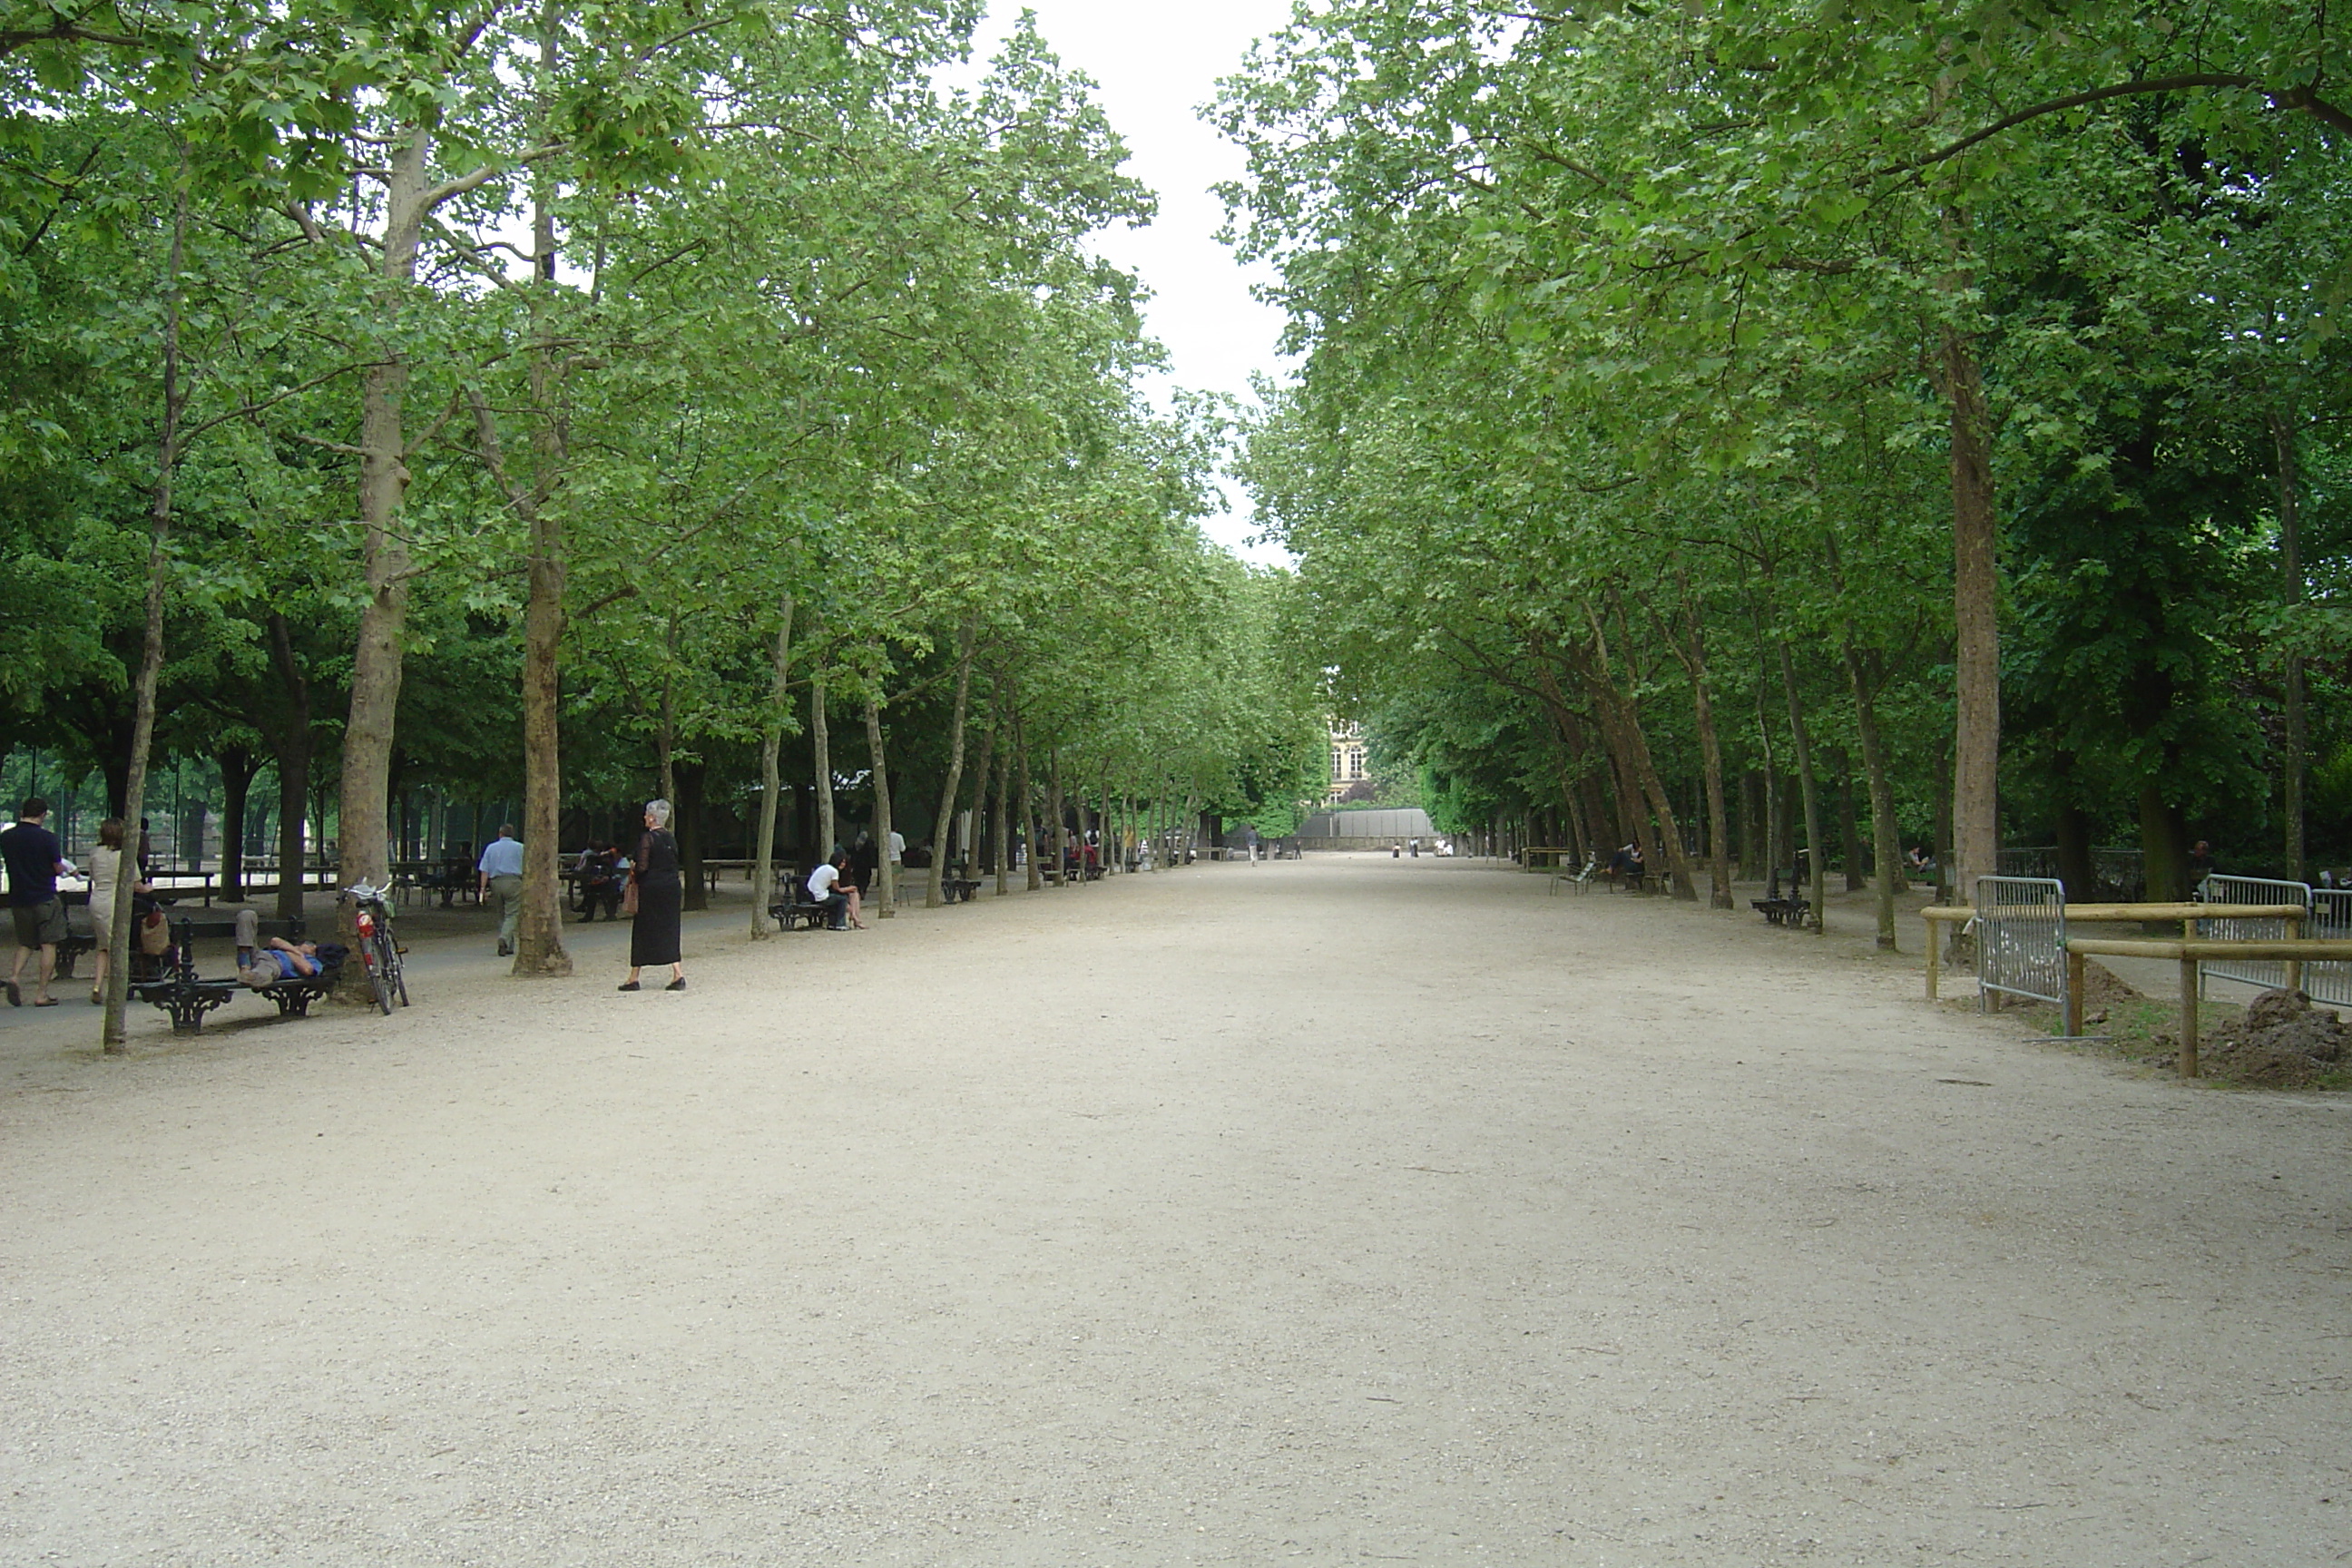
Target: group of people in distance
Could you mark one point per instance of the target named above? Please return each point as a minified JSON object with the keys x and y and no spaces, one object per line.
{"x":35,"y":861}
{"x":603,"y":870}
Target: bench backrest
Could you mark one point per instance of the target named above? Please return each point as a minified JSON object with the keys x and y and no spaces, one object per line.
{"x":215,"y":929}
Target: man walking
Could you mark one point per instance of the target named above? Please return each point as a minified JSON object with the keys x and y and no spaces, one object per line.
{"x":35,"y":863}
{"x":502,"y":870}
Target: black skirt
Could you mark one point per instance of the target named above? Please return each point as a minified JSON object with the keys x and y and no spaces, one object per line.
{"x":652,"y":937}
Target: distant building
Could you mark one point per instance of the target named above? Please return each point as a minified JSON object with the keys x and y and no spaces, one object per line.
{"x":1367,"y":829}
{"x":1349,"y":780}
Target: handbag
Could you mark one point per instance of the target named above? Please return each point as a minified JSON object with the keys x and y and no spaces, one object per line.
{"x":629,"y":897}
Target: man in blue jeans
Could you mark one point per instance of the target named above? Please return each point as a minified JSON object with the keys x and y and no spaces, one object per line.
{"x":502,"y":869}
{"x":35,"y":862}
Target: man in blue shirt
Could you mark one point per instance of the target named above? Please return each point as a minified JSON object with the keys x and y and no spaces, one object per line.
{"x":502,"y":870}
{"x":35,"y":863}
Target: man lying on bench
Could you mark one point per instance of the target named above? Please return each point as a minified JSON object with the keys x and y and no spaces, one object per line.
{"x":281,"y":960}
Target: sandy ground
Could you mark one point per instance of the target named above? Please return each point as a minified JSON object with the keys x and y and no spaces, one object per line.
{"x":1330,"y":1211}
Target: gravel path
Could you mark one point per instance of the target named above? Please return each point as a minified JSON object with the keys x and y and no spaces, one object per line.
{"x":1350,"y":1210}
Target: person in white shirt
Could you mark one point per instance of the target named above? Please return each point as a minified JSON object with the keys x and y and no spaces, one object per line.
{"x":501,"y":873}
{"x":898,"y":847}
{"x":838,"y":895}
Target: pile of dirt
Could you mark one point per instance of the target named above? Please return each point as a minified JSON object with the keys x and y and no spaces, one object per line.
{"x":2102,"y":988}
{"x":2281,"y":1041}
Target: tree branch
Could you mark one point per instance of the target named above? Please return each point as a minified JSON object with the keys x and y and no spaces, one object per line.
{"x":486,"y":172}
{"x":2294,"y":98}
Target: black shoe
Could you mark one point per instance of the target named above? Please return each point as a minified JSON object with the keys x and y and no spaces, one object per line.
{"x":506,"y":950}
{"x":16,"y":998}
{"x":626,"y":986}
{"x":676,"y":984}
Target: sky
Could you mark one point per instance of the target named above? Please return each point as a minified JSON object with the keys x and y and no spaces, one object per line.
{"x":1154,"y":65}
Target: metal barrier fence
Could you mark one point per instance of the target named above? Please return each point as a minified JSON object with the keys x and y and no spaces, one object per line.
{"x":2020,"y":931}
{"x":2331,"y":921}
{"x":2268,"y":974}
{"x":2117,"y":876}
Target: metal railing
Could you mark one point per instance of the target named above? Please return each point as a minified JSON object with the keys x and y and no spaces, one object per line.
{"x":2020,"y":936}
{"x":2118,"y":876}
{"x":2268,"y":974}
{"x":2330,"y":920}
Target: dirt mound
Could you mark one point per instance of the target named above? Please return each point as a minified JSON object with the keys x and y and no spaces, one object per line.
{"x":2281,"y":1041}
{"x":2102,"y":985}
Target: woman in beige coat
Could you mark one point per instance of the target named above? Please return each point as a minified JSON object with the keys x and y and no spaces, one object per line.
{"x":106,"y":900}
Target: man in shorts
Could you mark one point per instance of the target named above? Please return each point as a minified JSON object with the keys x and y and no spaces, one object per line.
{"x":35,"y":862}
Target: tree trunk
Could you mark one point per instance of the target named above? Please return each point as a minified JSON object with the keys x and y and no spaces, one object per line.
{"x":1947,"y":891}
{"x":2297,"y":739}
{"x":293,"y":807}
{"x":1710,"y":751}
{"x":237,"y":766}
{"x":113,"y":1038}
{"x":1815,"y":850}
{"x":2164,"y":846}
{"x":1752,"y":829}
{"x":666,"y":732}
{"x":539,"y":932}
{"x":1885,"y":838}
{"x":290,"y":744}
{"x":1105,"y":848}
{"x":888,"y":906}
{"x":2077,"y":869}
{"x":1036,"y":878}
{"x":969,"y":849}
{"x":1779,"y":842}
{"x":1621,"y":723}
{"x":1976,"y":736}
{"x":1849,"y":833}
{"x":821,"y":742}
{"x":771,"y":745}
{"x":949,"y":791}
{"x":1056,"y":808}
{"x":1001,"y":832}
{"x":362,"y":831}
{"x":689,"y":787}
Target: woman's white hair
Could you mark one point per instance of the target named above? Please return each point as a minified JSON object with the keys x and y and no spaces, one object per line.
{"x":659,"y":810}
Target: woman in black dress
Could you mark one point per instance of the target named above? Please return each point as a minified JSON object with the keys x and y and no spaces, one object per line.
{"x":661,"y":895}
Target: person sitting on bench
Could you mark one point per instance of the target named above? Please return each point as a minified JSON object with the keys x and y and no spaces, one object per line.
{"x":600,"y":882}
{"x":279,"y":958}
{"x":835,"y":893}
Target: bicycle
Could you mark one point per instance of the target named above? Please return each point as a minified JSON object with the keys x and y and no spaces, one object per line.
{"x":379,"y":950}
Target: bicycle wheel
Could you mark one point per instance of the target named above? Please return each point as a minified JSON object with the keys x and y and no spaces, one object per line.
{"x":385,"y":968}
{"x":393,"y":964}
{"x":377,"y":980}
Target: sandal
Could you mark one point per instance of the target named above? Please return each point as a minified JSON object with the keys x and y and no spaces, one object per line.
{"x":46,"y":1002}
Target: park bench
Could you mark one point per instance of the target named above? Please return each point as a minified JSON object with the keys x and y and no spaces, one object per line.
{"x":797,"y":909}
{"x":954,"y":889}
{"x":76,"y":942}
{"x":1783,"y":909}
{"x":188,"y":998}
